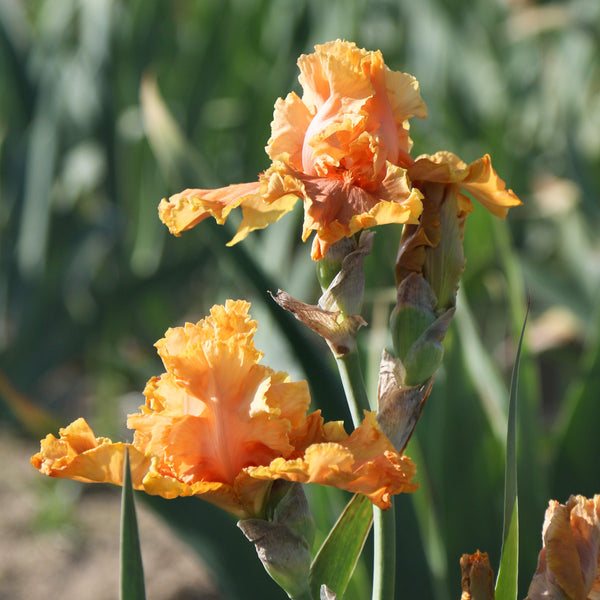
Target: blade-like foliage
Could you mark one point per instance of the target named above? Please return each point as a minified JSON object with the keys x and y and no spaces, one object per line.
{"x":132,"y":569}
{"x":508,"y":572}
{"x":334,"y":563}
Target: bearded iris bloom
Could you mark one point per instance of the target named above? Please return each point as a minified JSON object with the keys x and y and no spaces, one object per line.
{"x":343,"y":148}
{"x":223,"y":427}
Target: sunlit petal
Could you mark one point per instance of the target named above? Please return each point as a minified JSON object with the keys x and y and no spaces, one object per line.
{"x":363,"y":462}
{"x":221,"y":426}
{"x":478,"y":178}
{"x":78,"y":454}
{"x":188,"y":208}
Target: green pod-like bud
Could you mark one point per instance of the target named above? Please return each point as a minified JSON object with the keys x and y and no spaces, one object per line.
{"x":408,"y":323}
{"x":284,"y":540}
{"x":444,"y":264}
{"x":422,"y":362}
{"x":418,"y":330}
{"x":344,"y":292}
{"x":331,"y":264}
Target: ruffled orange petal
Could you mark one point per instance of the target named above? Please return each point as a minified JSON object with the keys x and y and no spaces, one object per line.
{"x":291,"y":119}
{"x":364,"y":462}
{"x":313,"y":79}
{"x":335,"y":209}
{"x":361,"y":111}
{"x":350,"y":129}
{"x":487,"y":188}
{"x":405,"y":98}
{"x":243,"y":499}
{"x":478,"y":178}
{"x":236,"y":413}
{"x":79,"y":455}
{"x":188,"y":208}
{"x":335,"y":70}
{"x":257,"y":214}
{"x":218,"y":411}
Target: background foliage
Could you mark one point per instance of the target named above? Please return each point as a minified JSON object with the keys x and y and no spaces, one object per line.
{"x":107,"y":106}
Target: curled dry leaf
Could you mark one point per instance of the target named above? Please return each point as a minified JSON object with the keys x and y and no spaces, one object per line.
{"x":399,"y":407}
{"x":339,"y":332}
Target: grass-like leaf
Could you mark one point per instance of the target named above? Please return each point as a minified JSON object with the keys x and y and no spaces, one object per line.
{"x":482,"y":369}
{"x":436,"y":552}
{"x":132,"y":570}
{"x":337,"y":557}
{"x":508,"y":572}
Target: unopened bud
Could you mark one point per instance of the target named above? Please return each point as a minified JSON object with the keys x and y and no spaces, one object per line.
{"x":344,"y":292}
{"x":331,"y":264}
{"x":444,"y":264}
{"x":283,"y":543}
{"x":477,"y":577}
{"x":418,"y":330}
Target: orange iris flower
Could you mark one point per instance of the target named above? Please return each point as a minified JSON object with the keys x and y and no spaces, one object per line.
{"x":569,"y":562}
{"x":343,"y":148}
{"x":221,"y":426}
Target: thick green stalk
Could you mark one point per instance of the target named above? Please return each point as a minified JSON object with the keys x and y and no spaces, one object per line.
{"x":384,"y":522}
{"x":384,"y":553}
{"x":354,"y":386}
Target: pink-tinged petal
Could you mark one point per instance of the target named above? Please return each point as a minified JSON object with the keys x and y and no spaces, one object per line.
{"x":291,"y":119}
{"x":335,"y":209}
{"x":188,"y":208}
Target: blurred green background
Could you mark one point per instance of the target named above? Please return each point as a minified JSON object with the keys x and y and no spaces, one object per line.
{"x":107,"y":106}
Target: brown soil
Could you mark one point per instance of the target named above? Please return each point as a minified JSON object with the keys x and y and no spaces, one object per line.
{"x":60,"y":539}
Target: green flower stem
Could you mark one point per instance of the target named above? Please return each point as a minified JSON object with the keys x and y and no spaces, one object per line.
{"x":354,"y":386}
{"x":384,"y":521}
{"x":384,"y":553}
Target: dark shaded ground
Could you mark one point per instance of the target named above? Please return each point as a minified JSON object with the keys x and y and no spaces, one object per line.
{"x":61,"y":539}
